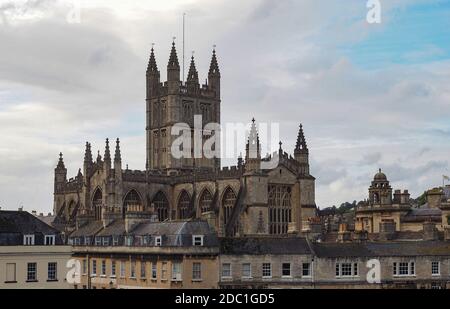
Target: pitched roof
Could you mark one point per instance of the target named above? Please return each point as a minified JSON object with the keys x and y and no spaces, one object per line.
{"x":263,"y":245}
{"x":380,"y":249}
{"x":22,"y":222}
{"x":90,"y":229}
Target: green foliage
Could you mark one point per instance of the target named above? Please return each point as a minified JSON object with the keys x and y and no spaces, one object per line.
{"x":343,"y":209}
{"x":421,"y":200}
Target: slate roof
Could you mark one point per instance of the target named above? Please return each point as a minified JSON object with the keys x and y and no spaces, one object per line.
{"x":178,"y":233}
{"x":174,"y":234}
{"x":23,"y":222}
{"x":90,"y":229}
{"x":15,"y":224}
{"x":423,"y":214}
{"x":262,"y":245}
{"x":117,"y":228}
{"x":381,"y":249}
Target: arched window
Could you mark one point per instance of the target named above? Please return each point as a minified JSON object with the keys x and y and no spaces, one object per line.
{"x":132,"y":199}
{"x":279,"y":209}
{"x":97,"y":202}
{"x":184,"y":205}
{"x":228,"y":202}
{"x":161,"y":206}
{"x":205,"y":201}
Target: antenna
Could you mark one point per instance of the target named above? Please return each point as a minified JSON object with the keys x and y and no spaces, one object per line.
{"x":184,"y":58}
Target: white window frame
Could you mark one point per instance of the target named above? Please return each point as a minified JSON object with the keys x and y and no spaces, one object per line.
{"x":198,"y":240}
{"x":113,"y":269}
{"x":270,"y":270}
{"x":53,"y":270}
{"x":94,"y":268}
{"x":158,"y":241}
{"x":154,"y":274}
{"x":230,"y":270}
{"x":103,"y":269}
{"x":290,"y":270}
{"x":123,"y":269}
{"x":133,"y":270}
{"x":354,"y":269}
{"x":309,"y":270}
{"x":249,"y":275}
{"x":143,"y":271}
{"x":105,"y":241}
{"x":176,"y":271}
{"x":164,"y":271}
{"x":115,"y":241}
{"x":28,"y":240}
{"x":84,"y":267}
{"x":197,"y":271}
{"x":51,"y":238}
{"x":438,"y":264}
{"x":33,"y":271}
{"x":411,"y":269}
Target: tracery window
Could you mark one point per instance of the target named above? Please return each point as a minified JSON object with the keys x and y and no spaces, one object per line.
{"x":279,"y":209}
{"x":205,"y":201}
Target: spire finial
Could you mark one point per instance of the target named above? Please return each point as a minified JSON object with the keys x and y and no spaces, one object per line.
{"x":60,"y":162}
{"x":214,"y":67}
{"x":173,"y":60}
{"x":107,"y":156}
{"x":117,"y":155}
{"x":193,"y":73}
{"x":152,"y":66}
{"x":301,"y":145}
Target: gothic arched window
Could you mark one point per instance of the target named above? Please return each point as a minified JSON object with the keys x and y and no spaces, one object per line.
{"x":132,"y":199}
{"x":97,"y":202}
{"x":161,"y":206}
{"x":279,"y":209}
{"x":228,"y":202}
{"x":184,"y":205}
{"x":205,"y":201}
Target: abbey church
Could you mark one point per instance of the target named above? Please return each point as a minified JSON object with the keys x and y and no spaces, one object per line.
{"x":241,"y":200}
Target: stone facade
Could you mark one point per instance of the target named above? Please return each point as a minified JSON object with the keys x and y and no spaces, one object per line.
{"x":239,"y":200}
{"x":385,"y":210}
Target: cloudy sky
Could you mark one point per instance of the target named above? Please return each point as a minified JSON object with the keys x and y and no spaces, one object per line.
{"x":369,"y":95}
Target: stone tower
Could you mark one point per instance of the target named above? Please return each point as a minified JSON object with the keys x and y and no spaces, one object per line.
{"x":301,"y":152}
{"x":174,"y":102}
{"x":380,"y":191}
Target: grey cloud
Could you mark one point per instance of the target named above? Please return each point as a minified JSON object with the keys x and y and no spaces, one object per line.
{"x":62,"y":84}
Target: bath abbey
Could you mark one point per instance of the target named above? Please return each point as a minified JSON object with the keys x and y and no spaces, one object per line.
{"x":187,"y":222}
{"x":241,"y":200}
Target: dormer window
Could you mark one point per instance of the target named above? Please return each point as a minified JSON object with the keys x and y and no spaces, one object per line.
{"x":158,"y":241}
{"x":197,"y":240}
{"x":28,"y":240}
{"x":49,"y":240}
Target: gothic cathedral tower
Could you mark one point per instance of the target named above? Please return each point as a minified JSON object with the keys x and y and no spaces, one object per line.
{"x":176,"y":101}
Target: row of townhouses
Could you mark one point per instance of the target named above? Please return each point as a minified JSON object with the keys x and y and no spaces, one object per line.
{"x":188,"y":254}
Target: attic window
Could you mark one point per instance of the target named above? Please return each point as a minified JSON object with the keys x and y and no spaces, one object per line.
{"x":28,"y":240}
{"x":158,"y":241}
{"x":197,"y":240}
{"x":49,"y":240}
